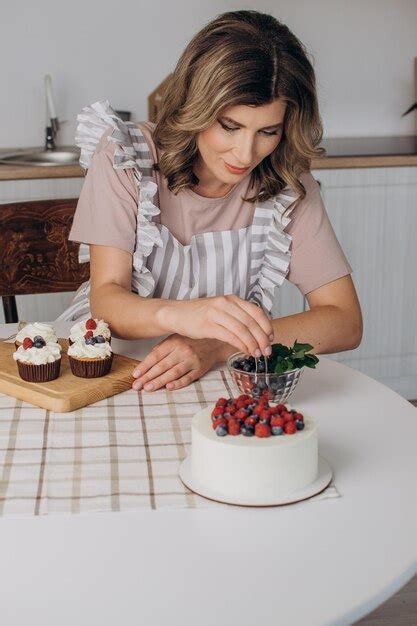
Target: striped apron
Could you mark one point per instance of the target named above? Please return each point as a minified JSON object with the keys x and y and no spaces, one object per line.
{"x":249,"y":262}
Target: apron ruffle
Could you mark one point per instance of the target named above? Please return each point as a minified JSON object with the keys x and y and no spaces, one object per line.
{"x":93,"y":121}
{"x":277,"y":257}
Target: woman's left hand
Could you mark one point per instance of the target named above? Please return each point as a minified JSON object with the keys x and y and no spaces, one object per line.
{"x":176,"y":362}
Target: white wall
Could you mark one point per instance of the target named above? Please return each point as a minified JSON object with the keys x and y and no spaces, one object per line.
{"x":363,"y":51}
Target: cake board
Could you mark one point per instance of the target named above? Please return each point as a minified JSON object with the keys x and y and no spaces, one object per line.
{"x":67,"y":392}
{"x":323,"y":480}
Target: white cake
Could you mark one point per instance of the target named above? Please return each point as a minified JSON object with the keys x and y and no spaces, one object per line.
{"x":250,"y":468}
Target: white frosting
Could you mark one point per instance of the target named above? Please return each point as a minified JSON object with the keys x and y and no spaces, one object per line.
{"x":249,"y":467}
{"x":97,"y":351}
{"x":39,"y":356}
{"x":37,"y":328}
{"x":78,"y":331}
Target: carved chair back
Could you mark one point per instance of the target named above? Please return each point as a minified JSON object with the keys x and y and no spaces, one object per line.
{"x":35,"y":254}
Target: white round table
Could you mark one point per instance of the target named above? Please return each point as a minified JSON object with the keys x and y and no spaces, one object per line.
{"x":312,"y":563}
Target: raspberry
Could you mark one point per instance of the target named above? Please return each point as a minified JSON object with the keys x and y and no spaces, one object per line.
{"x":290,"y":428}
{"x":274,"y":410}
{"x":90,"y":324}
{"x":88,"y":334}
{"x":27,"y":343}
{"x":251,"y":421}
{"x":287,"y":417}
{"x":218,"y":410}
{"x":233,"y":427}
{"x":299,"y":416}
{"x":262,"y":430}
{"x":258,"y":409}
{"x":221,"y":402}
{"x":277,"y":421}
{"x":218,"y":422}
{"x":232,"y":409}
{"x":281,"y":407}
{"x":264,"y":415}
{"x":241,"y":414}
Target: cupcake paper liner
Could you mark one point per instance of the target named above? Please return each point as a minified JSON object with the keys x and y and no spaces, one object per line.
{"x":88,"y":368}
{"x":39,"y":373}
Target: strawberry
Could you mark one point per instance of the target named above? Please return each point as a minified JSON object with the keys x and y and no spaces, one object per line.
{"x":27,"y":343}
{"x":90,"y":324}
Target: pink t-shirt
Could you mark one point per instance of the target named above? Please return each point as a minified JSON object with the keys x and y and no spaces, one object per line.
{"x":106,"y":215}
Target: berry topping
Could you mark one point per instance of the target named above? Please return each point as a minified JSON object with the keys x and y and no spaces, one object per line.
{"x":39,"y":342}
{"x":100,"y":339}
{"x":38,"y":338}
{"x":91,"y":324}
{"x":27,"y":343}
{"x":248,"y":417}
{"x":88,"y":334}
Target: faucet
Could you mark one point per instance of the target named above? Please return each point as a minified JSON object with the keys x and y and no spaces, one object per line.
{"x":52,"y":124}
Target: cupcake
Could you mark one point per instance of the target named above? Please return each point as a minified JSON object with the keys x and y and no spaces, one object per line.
{"x":97,"y":327}
{"x":91,"y":356}
{"x":35,"y":331}
{"x":38,"y":361}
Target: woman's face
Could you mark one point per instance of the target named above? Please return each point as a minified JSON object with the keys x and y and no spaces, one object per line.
{"x":241,"y":137}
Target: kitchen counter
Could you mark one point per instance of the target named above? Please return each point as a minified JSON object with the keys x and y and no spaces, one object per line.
{"x":342,"y":153}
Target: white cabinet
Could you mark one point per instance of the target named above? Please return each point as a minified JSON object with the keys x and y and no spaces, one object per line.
{"x":374,"y":214}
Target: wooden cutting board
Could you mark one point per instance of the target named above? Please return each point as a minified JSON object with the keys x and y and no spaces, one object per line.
{"x":67,"y":392}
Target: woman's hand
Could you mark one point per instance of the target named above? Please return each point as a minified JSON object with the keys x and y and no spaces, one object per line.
{"x":226,"y":318}
{"x":176,"y":362}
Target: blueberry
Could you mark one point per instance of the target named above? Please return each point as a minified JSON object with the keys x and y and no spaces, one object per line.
{"x":90,"y":341}
{"x":274,"y":387}
{"x":299,"y":424}
{"x":221,"y":430}
{"x":38,"y":338}
{"x":277,"y":430}
{"x":262,"y":385}
{"x":261,"y":367}
{"x":99,"y":339}
{"x":264,"y":421}
{"x":247,"y":431}
{"x":247,"y":368}
{"x":38,"y":344}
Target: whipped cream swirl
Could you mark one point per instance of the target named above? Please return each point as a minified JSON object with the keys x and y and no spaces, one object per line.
{"x":37,"y":328}
{"x":80,"y":349}
{"x":38,"y":356}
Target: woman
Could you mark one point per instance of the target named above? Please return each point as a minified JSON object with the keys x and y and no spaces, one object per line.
{"x":194,"y":223}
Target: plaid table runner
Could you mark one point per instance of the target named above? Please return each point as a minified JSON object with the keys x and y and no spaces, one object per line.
{"x":122,"y":453}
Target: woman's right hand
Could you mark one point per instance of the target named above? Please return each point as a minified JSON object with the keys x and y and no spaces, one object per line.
{"x":227,"y":318}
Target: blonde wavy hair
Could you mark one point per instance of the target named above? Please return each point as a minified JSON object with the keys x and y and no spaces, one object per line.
{"x":241,"y":57}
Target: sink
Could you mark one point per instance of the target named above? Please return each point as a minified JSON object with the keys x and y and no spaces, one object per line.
{"x":65,"y":155}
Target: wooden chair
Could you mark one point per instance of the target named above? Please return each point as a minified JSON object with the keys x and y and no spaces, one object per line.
{"x":35,"y":254}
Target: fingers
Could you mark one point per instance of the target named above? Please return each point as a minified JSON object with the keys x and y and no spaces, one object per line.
{"x":159,"y":352}
{"x":190,"y":377}
{"x":237,"y":320}
{"x":162,"y":372}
